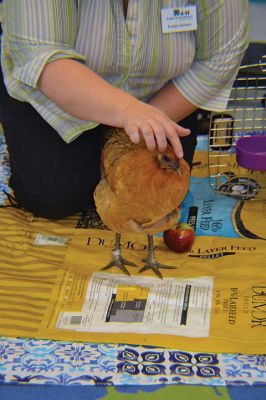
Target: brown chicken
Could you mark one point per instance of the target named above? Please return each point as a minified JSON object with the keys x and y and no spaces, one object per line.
{"x":140,"y":191}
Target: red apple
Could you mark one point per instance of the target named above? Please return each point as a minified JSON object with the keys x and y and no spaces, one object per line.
{"x":179,"y":239}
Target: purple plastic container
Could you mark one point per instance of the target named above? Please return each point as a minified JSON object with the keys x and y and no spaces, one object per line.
{"x":251,"y":152}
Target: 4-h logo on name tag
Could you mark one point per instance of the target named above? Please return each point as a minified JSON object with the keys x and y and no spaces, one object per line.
{"x":181,"y":19}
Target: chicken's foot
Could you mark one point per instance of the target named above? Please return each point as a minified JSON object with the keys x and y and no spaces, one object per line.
{"x":117,"y":260}
{"x":151,"y":263}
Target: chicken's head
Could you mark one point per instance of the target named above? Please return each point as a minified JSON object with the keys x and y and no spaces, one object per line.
{"x":169,"y":161}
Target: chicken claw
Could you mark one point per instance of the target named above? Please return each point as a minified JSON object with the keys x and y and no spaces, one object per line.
{"x":151,"y":263}
{"x":117,"y":260}
{"x":155,"y":267}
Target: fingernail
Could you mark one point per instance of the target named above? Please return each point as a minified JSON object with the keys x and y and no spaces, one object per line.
{"x":180,"y":154}
{"x":134,"y":137}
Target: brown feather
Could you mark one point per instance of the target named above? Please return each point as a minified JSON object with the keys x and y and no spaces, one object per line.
{"x":137,"y":194}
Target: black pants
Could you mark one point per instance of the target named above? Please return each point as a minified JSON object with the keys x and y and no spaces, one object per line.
{"x":50,"y":178}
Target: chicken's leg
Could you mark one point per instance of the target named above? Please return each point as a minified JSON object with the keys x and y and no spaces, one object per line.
{"x":151,"y":263}
{"x":117,"y":260}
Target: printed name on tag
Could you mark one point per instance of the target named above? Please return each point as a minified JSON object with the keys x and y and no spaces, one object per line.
{"x":181,"y":19}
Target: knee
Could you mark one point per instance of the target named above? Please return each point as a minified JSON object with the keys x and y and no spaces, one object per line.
{"x":55,"y":202}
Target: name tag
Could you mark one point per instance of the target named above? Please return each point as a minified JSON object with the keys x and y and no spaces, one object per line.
{"x":180,"y":19}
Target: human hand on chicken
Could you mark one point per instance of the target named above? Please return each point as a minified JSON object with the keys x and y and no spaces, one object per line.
{"x":144,"y":121}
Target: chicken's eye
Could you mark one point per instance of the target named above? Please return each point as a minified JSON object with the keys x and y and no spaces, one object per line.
{"x":166,"y":159}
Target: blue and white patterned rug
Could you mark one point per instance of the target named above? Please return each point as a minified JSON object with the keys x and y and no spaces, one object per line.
{"x":64,"y":363}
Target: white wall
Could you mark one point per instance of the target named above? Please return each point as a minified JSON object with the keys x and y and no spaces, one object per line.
{"x":258,"y":21}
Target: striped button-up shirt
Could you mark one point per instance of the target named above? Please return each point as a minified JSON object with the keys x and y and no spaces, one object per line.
{"x":131,"y":53}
